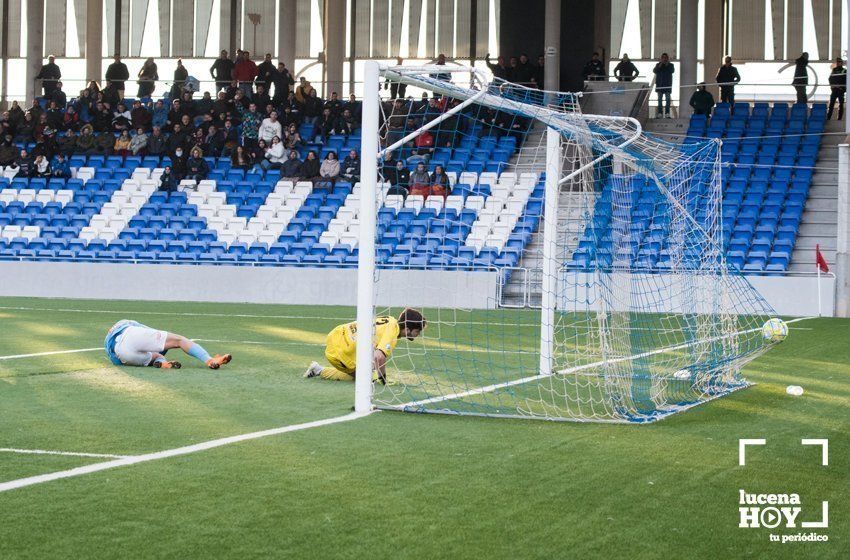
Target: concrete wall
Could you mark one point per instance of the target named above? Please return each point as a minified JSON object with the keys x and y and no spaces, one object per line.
{"x":790,"y":295}
{"x":283,"y":285}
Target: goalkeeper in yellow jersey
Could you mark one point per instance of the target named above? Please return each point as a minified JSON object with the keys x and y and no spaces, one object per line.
{"x":341,"y":346}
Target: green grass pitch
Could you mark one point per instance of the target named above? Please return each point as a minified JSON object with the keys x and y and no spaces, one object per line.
{"x":391,"y":485}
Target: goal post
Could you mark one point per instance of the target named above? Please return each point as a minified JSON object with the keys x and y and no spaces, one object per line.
{"x":611,"y":241}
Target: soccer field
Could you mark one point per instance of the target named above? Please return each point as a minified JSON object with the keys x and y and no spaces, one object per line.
{"x":389,"y":484}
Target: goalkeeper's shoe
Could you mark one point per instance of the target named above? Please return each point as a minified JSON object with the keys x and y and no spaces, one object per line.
{"x":219,"y":360}
{"x":315,"y":370}
{"x":168,"y":365}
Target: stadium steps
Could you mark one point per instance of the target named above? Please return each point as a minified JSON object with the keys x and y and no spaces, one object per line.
{"x":672,"y":130}
{"x":819,"y":224}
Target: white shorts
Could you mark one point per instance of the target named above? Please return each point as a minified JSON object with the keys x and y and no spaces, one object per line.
{"x":136,"y":345}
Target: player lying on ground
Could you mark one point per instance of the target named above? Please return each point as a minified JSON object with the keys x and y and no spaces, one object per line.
{"x":341,"y":346}
{"x":132,"y":344}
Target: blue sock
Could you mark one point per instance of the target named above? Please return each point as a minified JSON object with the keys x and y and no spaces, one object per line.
{"x":197,"y":351}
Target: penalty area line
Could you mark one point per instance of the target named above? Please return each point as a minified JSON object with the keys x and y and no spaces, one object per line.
{"x":186,"y":450}
{"x":52,"y":353}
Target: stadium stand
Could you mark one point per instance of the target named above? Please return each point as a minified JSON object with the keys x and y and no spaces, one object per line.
{"x":768,"y":158}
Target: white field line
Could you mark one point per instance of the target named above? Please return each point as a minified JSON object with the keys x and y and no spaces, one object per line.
{"x":506,"y":384}
{"x":65,"y":453}
{"x":136,"y":459}
{"x":53,"y":353}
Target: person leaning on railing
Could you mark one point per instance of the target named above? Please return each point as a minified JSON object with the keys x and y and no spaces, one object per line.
{"x":837,"y":88}
{"x":625,"y":71}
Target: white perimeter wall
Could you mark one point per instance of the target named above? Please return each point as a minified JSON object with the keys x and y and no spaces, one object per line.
{"x":793,"y":296}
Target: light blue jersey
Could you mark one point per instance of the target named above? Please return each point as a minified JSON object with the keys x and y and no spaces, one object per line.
{"x":112,"y":338}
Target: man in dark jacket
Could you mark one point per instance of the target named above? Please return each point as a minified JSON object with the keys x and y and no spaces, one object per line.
{"x":625,"y":71}
{"x":222,"y":71}
{"x":837,"y":88}
{"x":524,"y":72}
{"x":664,"y":84}
{"x":594,"y":70}
{"x":117,"y":74}
{"x":283,"y":81}
{"x":156,"y":142}
{"x":702,"y":101}
{"x":265,"y":73}
{"x":49,"y":75}
{"x":727,"y":77}
{"x":801,"y":77}
{"x":499,"y":69}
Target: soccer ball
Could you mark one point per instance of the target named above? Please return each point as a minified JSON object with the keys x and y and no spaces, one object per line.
{"x":774,"y":330}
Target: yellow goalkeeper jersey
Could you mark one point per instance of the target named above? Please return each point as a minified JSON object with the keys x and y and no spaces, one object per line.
{"x":342,"y":341}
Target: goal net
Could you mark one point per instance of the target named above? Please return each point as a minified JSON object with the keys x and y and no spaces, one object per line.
{"x":570,"y":266}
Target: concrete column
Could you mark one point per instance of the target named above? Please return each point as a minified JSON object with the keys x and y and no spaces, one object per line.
{"x":687,"y":54}
{"x":602,"y":30}
{"x":714,"y":48}
{"x":35,"y":47}
{"x":286,"y":34}
{"x":94,"y":40}
{"x":842,"y":255}
{"x":552,"y":46}
{"x":334,"y":46}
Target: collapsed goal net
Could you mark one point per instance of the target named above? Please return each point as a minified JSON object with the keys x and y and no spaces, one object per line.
{"x":570,"y":266}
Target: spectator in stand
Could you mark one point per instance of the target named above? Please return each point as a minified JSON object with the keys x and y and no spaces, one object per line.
{"x":168,"y":181}
{"x":293,"y":138}
{"x":396,"y":89}
{"x":177,"y":140}
{"x":40,"y":167}
{"x":354,"y":106}
{"x":244,"y":73}
{"x":524,"y":71}
{"x":203,"y":105}
{"x":291,"y":169}
{"x":540,"y":71}
{"x":266,"y":72}
{"x":156,"y":143}
{"x":24,"y":131}
{"x":61,"y":168}
{"x":103,"y":144}
{"x":302,"y":92}
{"x":116,"y":75}
{"x":594,"y":70}
{"x":270,"y":127}
{"x":86,"y":141}
{"x":121,"y":146}
{"x":59,"y":96}
{"x":251,"y":120}
{"x":312,"y":108}
{"x":24,"y":165}
{"x":180,"y":75}
{"x":258,"y":154}
{"x":310,"y":169}
{"x":197,"y":168}
{"x":441,"y":61}
{"x":275,"y":154}
{"x":121,"y":119}
{"x":399,"y":180}
{"x":148,"y":76}
{"x":139,"y":142}
{"x":160,"y":114}
{"x":727,"y":77}
{"x":334,"y":104}
{"x":419,"y":181}
{"x":222,"y":71}
{"x":350,"y":169}
{"x":261,"y":97}
{"x":416,"y":158}
{"x":625,"y":71}
{"x":231,"y":137}
{"x":67,"y":144}
{"x":240,"y":159}
{"x":801,"y":77}
{"x":178,"y":164}
{"x":837,"y":88}
{"x":55,"y":117}
{"x":702,"y":101}
{"x":499,"y":69}
{"x":327,"y":125}
{"x":328,"y":172}
{"x":213,"y":142}
{"x":440,"y":184}
{"x":283,"y":81}
{"x":140,"y":116}
{"x":49,"y":75}
{"x":664,"y":84}
{"x":102,"y":118}
{"x":7,"y":151}
{"x":346,"y":125}
{"x":187,"y":125}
